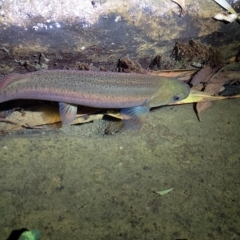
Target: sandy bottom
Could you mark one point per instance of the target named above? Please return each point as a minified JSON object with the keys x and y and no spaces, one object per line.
{"x":77,"y":183}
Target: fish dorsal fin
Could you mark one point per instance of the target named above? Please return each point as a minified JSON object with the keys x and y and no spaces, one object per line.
{"x":67,"y":112}
{"x":12,"y":77}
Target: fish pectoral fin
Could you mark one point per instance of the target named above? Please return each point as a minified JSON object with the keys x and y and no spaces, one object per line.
{"x":134,"y":117}
{"x":67,"y":113}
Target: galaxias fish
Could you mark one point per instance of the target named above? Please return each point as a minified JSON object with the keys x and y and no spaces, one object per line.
{"x":133,"y":93}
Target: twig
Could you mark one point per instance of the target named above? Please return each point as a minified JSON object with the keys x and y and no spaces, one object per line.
{"x":8,"y":121}
{"x":31,"y":127}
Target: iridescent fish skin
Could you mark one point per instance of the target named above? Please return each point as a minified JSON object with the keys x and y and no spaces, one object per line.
{"x":94,"y":89}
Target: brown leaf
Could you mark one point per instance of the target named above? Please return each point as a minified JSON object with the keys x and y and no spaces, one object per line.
{"x":215,"y":84}
{"x":202,"y":75}
{"x":44,"y":115}
{"x":213,"y":87}
{"x":200,"y":106}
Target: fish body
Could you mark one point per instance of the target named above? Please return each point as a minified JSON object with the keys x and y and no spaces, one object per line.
{"x":135,"y":94}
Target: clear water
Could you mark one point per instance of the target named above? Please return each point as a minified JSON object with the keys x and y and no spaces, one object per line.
{"x":78,"y":183}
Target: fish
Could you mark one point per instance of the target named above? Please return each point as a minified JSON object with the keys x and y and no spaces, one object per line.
{"x":135,"y":94}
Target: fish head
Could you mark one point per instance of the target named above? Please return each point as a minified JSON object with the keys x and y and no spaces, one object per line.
{"x":169,"y":92}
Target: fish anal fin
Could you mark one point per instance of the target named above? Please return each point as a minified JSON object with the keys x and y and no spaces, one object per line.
{"x":67,"y":113}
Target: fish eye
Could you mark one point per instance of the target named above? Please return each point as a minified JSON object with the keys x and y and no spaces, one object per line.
{"x":176,"y":98}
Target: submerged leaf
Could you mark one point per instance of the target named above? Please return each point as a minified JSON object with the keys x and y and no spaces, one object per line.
{"x":202,"y":75}
{"x":30,"y":235}
{"x":163,"y":192}
{"x":231,"y":88}
{"x":200,"y":106}
{"x":214,"y":85}
{"x":226,"y":17}
{"x":218,"y":80}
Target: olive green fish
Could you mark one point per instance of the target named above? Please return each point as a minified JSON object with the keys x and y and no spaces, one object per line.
{"x":133,"y":93}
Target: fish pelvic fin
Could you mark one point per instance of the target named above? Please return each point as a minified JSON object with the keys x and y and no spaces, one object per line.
{"x":134,"y":117}
{"x":67,"y":113}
